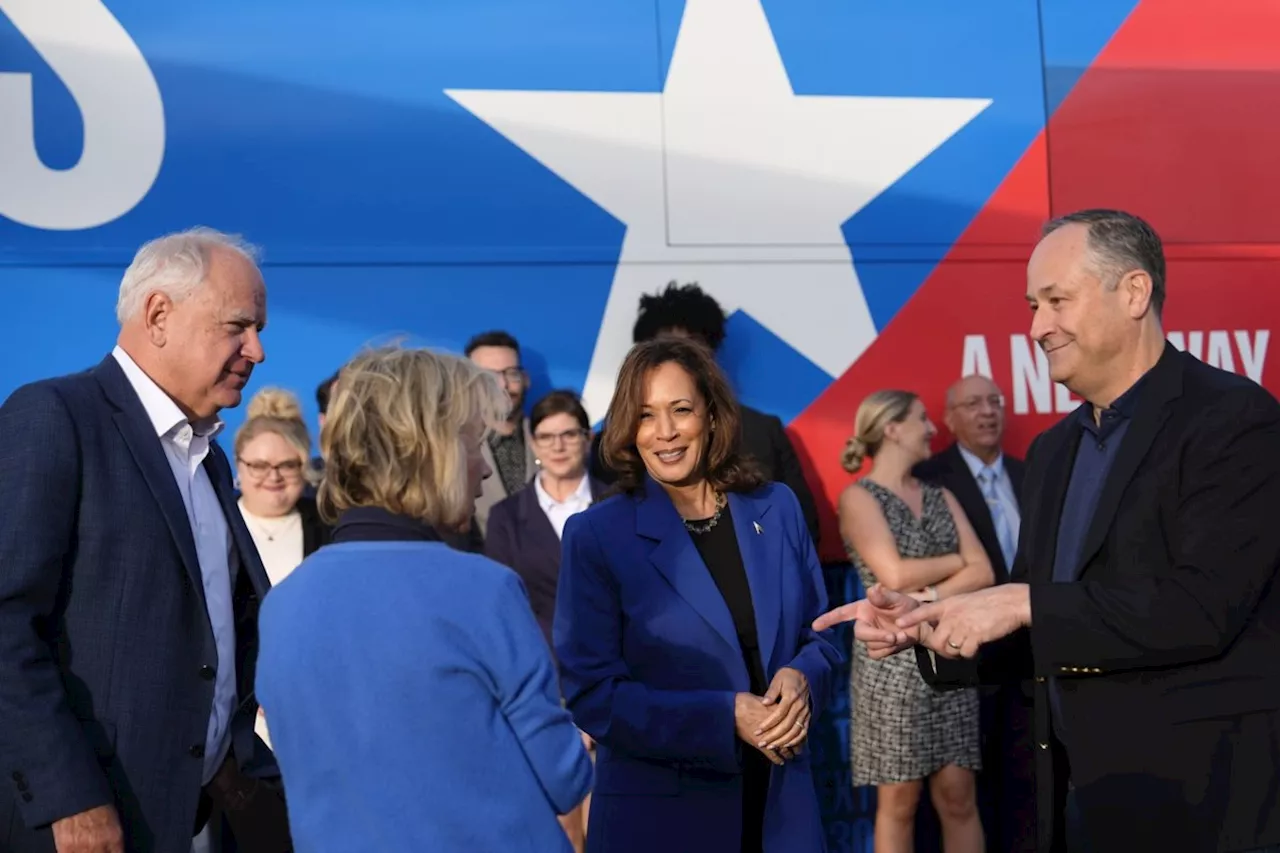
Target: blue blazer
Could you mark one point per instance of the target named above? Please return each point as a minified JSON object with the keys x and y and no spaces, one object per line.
{"x":650,"y":665}
{"x":419,"y":672}
{"x":106,"y":651}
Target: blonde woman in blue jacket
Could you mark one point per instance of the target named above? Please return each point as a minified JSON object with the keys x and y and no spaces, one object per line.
{"x":412,"y":699}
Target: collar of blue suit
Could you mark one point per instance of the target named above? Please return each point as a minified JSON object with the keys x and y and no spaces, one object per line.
{"x":761,"y":540}
{"x":374,"y":524}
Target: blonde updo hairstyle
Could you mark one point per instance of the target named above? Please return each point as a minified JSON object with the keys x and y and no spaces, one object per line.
{"x":277,"y":410}
{"x":394,"y":435}
{"x":877,"y":411}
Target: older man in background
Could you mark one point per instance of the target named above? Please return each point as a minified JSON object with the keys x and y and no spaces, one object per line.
{"x":987,"y":482}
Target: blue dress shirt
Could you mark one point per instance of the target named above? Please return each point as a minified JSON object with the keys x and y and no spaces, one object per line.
{"x":1099,"y":443}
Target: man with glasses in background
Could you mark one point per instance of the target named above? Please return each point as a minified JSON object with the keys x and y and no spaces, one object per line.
{"x":987,"y":482}
{"x":509,"y":450}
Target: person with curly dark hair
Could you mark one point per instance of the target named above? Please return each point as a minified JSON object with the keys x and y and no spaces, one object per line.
{"x":688,"y":311}
{"x":682,"y":625}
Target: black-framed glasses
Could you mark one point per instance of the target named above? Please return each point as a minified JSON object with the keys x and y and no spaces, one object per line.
{"x":288,"y":469}
{"x":570,"y":437}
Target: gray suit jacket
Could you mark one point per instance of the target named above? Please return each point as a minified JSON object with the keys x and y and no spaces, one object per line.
{"x":494,"y":490}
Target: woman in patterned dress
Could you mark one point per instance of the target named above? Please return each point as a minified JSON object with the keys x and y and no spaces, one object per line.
{"x":914,"y":538}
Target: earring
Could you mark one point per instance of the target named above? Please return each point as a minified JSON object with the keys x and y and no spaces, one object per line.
{"x":537,"y":461}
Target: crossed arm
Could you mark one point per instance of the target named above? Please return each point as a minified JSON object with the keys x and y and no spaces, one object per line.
{"x":1224,"y":552}
{"x":863,"y":525}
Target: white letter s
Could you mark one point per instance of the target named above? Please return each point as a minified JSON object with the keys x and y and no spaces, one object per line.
{"x":120,"y":106}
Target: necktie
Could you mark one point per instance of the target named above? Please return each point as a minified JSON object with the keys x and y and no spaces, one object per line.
{"x":1004,"y":530}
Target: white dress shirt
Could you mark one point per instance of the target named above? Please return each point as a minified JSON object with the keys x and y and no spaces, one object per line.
{"x":558,"y":512}
{"x":1004,"y":487}
{"x":186,"y":446}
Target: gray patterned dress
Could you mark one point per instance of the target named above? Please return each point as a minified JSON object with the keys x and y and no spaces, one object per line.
{"x":902,"y":729}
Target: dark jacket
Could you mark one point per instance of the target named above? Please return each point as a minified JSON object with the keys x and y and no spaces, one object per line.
{"x":107,"y":655}
{"x":521,"y":537}
{"x":1164,"y":647}
{"x":949,"y":470}
{"x":315,"y":533}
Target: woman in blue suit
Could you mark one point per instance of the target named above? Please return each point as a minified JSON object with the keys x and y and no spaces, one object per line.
{"x":682,"y":626}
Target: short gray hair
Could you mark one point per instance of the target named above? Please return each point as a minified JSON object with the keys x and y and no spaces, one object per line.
{"x":1121,"y":243}
{"x":175,"y":264}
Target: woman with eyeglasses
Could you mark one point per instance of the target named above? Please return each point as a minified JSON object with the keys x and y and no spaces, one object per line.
{"x":272,"y":449}
{"x":525,"y":528}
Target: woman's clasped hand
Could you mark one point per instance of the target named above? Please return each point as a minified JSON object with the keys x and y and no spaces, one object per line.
{"x":777,"y":723}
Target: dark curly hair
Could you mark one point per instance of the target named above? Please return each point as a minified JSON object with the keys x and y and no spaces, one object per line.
{"x":725,"y":464}
{"x":685,"y":307}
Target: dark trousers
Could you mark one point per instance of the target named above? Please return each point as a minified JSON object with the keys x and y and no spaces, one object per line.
{"x":1006,"y":785}
{"x":253,"y":810}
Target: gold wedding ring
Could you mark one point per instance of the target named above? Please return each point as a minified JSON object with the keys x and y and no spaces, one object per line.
{"x":953,"y":645}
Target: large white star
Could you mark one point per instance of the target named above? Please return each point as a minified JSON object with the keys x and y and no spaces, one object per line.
{"x":730,"y":178}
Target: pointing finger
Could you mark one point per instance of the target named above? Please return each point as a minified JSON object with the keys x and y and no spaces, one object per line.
{"x":843,"y":613}
{"x":924,"y":613}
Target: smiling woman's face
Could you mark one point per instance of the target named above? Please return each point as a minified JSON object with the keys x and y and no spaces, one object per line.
{"x":271,"y":475}
{"x":672,"y":435}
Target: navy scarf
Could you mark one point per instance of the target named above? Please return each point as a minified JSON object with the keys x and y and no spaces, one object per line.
{"x":374,"y":524}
